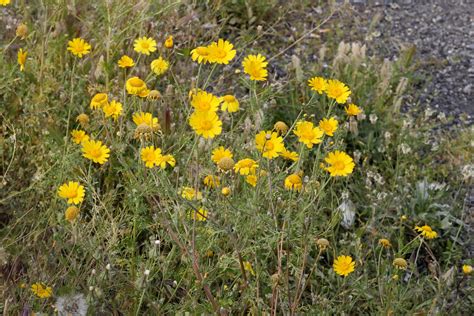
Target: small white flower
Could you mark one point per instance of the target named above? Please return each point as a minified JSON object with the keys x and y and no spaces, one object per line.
{"x":107,"y":266}
{"x":157,"y":242}
{"x":405,"y":148}
{"x":147,"y":272}
{"x":373,"y":118}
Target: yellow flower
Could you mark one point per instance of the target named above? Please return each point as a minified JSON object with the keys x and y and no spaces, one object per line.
{"x":221,"y":52}
{"x":353,"y":110}
{"x":246,"y":166}
{"x":190,"y":194}
{"x":72,"y":191}
{"x":248,"y":267}
{"x":230,"y":103}
{"x":206,"y":124}
{"x":426,"y":231}
{"x":281,"y":127}
{"x":150,"y":156}
{"x":251,"y":179}
{"x":467,"y":269}
{"x":225,"y":191}
{"x":199,"y":215}
{"x":169,"y":42}
{"x":136,"y":86}
{"x":99,"y":100}
{"x":318,"y":84}
{"x":154,"y":95}
{"x":269,"y":144}
{"x":204,"y":102}
{"x":385,"y":243}
{"x":344,"y":265}
{"x":4,"y":2}
{"x":83,"y":119}
{"x":400,"y":263}
{"x":340,"y":164}
{"x":219,"y":153}
{"x":79,"y":47}
{"x":125,"y":62}
{"x":41,"y":290}
{"x":144,"y":45}
{"x":147,"y":119}
{"x":166,"y":160}
{"x":79,"y":136}
{"x":308,"y":134}
{"x":71,"y":213}
{"x":95,"y":151}
{"x":329,"y":126}
{"x":289,"y":155}
{"x":113,"y":109}
{"x":22,"y":59}
{"x":255,"y":67}
{"x":338,"y":91}
{"x":212,"y":181}
{"x":21,"y":30}
{"x":200,"y":54}
{"x":293,"y":182}
{"x":159,"y":66}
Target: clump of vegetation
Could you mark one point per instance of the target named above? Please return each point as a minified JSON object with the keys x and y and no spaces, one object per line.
{"x":149,"y":167}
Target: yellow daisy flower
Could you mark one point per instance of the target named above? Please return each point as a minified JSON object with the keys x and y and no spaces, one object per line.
{"x":71,"y":213}
{"x":113,"y":109}
{"x":79,"y":47}
{"x":219,"y":153}
{"x":159,"y":66}
{"x":318,"y":84}
{"x":221,"y":52}
{"x":338,"y":91}
{"x":204,"y":102}
{"x":353,"y":110}
{"x":22,"y":58}
{"x":169,"y":42}
{"x":255,"y":67}
{"x":225,"y":191}
{"x":72,"y":191}
{"x":329,"y":126}
{"x":344,"y":265}
{"x":79,"y":136}
{"x":136,"y":86}
{"x":269,"y":144}
{"x":21,"y":30}
{"x":199,"y":215}
{"x":5,"y":2}
{"x":426,"y":231}
{"x":385,"y":243}
{"x":41,"y":290}
{"x":165,"y":160}
{"x":150,"y":156}
{"x":308,"y":134}
{"x":212,"y":181}
{"x":340,"y":164}
{"x":246,"y":166}
{"x":147,"y":119}
{"x":289,"y":155}
{"x":190,"y":194}
{"x":229,"y":103}
{"x":466,"y":269}
{"x":99,"y":100}
{"x":200,"y":54}
{"x":95,"y":151}
{"x":251,"y":179}
{"x":206,"y":124}
{"x":125,"y":62}
{"x":144,"y":45}
{"x":294,"y":182}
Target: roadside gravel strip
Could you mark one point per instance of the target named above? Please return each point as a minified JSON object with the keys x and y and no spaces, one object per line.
{"x":443,"y":33}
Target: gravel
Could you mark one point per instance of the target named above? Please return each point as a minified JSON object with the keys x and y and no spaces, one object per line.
{"x":443,"y":32}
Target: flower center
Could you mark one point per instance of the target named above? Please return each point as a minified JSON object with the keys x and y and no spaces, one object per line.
{"x":206,"y":125}
{"x":221,"y":53}
{"x":339,"y":165}
{"x":145,"y":45}
{"x":269,"y":146}
{"x":96,"y":152}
